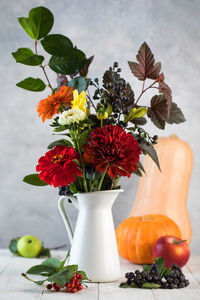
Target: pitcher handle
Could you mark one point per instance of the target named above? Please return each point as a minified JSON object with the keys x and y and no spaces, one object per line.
{"x":64,"y":214}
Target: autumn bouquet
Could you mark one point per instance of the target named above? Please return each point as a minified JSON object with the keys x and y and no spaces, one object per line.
{"x":101,"y":122}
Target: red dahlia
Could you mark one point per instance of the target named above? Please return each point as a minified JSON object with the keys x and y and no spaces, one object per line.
{"x":111,"y":145}
{"x":57,"y":167}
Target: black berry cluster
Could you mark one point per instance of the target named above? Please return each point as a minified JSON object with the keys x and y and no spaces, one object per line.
{"x":143,"y":137}
{"x":141,"y":277}
{"x":70,"y":287}
{"x":64,"y":191}
{"x":173,"y":279}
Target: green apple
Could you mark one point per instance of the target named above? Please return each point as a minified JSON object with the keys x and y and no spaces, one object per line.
{"x":29,"y":246}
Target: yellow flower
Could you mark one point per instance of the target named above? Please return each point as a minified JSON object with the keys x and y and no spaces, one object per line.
{"x":79,"y":101}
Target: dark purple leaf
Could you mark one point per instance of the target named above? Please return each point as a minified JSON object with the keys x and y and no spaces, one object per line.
{"x":145,"y":68}
{"x":158,"y":111}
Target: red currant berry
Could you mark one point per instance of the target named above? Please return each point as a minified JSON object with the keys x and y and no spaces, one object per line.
{"x":57,"y":288}
{"x":77,"y":283}
{"x":68,"y":290}
{"x":49,"y":286}
{"x":80,"y":276}
{"x":55,"y":285}
{"x":72,"y":285}
{"x":73,"y":281}
{"x":73,"y":278}
{"x":74,"y":290}
{"x":80,"y":287}
{"x":68,"y":284}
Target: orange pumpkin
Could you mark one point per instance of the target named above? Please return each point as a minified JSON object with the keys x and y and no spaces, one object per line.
{"x":166,"y":192}
{"x":136,"y":236}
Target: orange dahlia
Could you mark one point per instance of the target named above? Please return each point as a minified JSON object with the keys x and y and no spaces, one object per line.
{"x":48,"y":107}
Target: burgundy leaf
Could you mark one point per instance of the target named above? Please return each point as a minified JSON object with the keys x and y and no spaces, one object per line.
{"x":136,"y":70}
{"x":84,"y":71}
{"x":155,"y":71}
{"x":166,"y":91}
{"x":145,"y":67}
{"x":158,"y":111}
{"x":176,"y":115}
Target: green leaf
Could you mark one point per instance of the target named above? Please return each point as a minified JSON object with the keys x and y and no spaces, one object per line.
{"x":160,"y":261}
{"x":39,"y":22}
{"x":136,"y":113}
{"x":57,"y":44}
{"x":78,"y":83}
{"x":27,"y":57}
{"x":52,"y":262}
{"x":137,"y":172}
{"x":150,"y":285}
{"x":83,"y":137}
{"x":139,"y":121}
{"x":13,"y":245}
{"x":40,"y":269}
{"x":69,"y":64}
{"x":44,"y":252}
{"x":140,"y":166}
{"x":62,"y":142}
{"x":84,"y":276}
{"x":165,"y":271}
{"x":73,"y":188}
{"x":146,"y":268}
{"x":34,"y":179}
{"x":32,"y":84}
{"x":149,"y":149}
{"x":124,"y":285}
{"x":60,"y":128}
{"x":64,"y":275}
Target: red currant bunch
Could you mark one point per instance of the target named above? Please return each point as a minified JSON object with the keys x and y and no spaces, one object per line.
{"x":73,"y":286}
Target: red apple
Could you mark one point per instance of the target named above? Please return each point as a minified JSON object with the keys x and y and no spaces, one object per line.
{"x":173,"y":250}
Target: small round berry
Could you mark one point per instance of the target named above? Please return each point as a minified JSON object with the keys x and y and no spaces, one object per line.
{"x":137,"y":272}
{"x":72,"y":285}
{"x":74,"y":290}
{"x":80,"y":287}
{"x":119,"y":70}
{"x":68,"y":284}
{"x":57,"y":288}
{"x":79,"y":276}
{"x":68,"y":290}
{"x":49,"y":286}
{"x":127,"y":275}
{"x":77,"y":283}
{"x":115,"y":65}
{"x":187,"y":282}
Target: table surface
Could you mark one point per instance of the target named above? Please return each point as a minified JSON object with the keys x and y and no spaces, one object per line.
{"x":14,"y":286}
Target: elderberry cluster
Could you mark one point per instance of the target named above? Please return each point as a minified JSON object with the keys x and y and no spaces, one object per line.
{"x":64,"y":190}
{"x":141,"y":277}
{"x":174,"y":279}
{"x":70,"y":287}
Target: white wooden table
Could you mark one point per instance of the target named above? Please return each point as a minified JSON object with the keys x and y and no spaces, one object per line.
{"x":14,"y":287}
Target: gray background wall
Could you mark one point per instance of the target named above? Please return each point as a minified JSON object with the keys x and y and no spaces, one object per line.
{"x":113,"y":30}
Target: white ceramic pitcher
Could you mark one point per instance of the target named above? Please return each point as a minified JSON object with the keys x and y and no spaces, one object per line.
{"x":93,"y":244}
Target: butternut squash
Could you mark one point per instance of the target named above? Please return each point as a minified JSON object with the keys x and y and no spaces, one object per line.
{"x":166,"y":192}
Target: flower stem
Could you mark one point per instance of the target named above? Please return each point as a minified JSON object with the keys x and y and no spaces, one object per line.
{"x":43,"y":69}
{"x":102,"y":178}
{"x":101,"y":122}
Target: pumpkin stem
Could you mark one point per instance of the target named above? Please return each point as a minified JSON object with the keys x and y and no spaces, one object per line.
{"x":174,"y":136}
